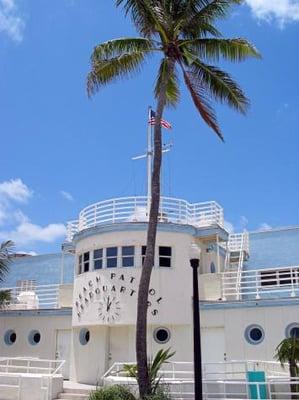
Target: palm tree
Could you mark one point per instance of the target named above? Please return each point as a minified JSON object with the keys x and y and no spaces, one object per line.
{"x":5,"y":257}
{"x":184,"y":33}
{"x":288,"y":352}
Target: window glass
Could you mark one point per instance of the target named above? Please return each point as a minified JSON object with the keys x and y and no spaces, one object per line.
{"x":254,"y":334}
{"x":165,"y":251}
{"x":10,"y":337}
{"x":279,"y":277}
{"x":128,"y":253}
{"x":292,"y":330}
{"x":98,"y":259}
{"x":84,"y":336}
{"x":86,"y":262}
{"x":268,"y":278}
{"x":80,"y":264}
{"x":164,"y":256}
{"x":34,"y":337}
{"x":162,"y":335}
{"x":111,"y":254}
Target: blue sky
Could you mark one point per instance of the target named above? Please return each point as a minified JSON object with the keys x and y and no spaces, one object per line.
{"x":62,"y":151}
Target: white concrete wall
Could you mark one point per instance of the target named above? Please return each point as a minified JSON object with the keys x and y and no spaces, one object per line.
{"x":273,"y":320}
{"x":173,"y":285}
{"x":117,"y":344}
{"x":22,"y":325}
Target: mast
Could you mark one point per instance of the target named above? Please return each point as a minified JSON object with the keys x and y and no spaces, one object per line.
{"x":149,"y":156}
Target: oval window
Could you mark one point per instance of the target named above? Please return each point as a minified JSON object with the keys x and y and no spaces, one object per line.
{"x":84,"y":336}
{"x":34,"y":337}
{"x":254,"y":334}
{"x":292,"y":330}
{"x":10,"y":337}
{"x":162,"y":335}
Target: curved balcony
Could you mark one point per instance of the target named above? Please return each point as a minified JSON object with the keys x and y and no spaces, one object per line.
{"x":135,"y":209}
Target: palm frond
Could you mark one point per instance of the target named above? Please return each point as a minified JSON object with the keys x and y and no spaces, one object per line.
{"x":206,"y":12}
{"x":172,"y":87}
{"x":287,"y":351}
{"x":106,"y":71}
{"x":147,"y":15}
{"x":220,"y":84}
{"x":213,"y":49}
{"x":201,"y":102}
{"x":6,"y":254}
{"x":115,"y":48}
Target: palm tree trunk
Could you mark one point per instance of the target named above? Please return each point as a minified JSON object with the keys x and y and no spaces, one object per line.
{"x":141,"y":326}
{"x":293,"y":375}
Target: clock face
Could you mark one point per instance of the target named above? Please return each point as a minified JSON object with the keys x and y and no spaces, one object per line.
{"x":109,"y":308}
{"x":109,"y":294}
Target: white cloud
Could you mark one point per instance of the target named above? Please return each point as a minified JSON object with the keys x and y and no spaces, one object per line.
{"x":15,"y":224}
{"x":28,"y":233}
{"x":11,"y":22}
{"x":16,"y":190}
{"x":264,"y":227}
{"x":282,"y":11}
{"x":13,"y":191}
{"x":66,"y":195}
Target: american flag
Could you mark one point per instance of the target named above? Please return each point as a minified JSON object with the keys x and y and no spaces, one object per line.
{"x":152,"y":121}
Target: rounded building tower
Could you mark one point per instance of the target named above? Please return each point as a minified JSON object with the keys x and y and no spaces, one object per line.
{"x":109,"y":243}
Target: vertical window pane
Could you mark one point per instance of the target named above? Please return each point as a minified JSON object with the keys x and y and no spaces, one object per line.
{"x":165,"y":256}
{"x":164,"y":262}
{"x":98,"y":253}
{"x":128,"y":262}
{"x":111,"y":262}
{"x":128,"y":250}
{"x":111,"y":251}
{"x":165,"y":251}
{"x":98,"y":264}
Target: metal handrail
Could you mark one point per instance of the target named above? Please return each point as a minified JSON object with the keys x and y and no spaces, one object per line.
{"x":175,"y":368}
{"x":278,"y":280}
{"x":135,"y":209}
{"x":14,"y":363}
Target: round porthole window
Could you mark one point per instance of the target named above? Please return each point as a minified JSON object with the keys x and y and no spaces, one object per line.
{"x":84,"y":336}
{"x":34,"y":337}
{"x":292,"y":330}
{"x":162,"y":335}
{"x":254,"y":334}
{"x":10,"y":337}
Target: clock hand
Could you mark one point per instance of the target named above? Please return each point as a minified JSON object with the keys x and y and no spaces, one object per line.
{"x":109,"y":304}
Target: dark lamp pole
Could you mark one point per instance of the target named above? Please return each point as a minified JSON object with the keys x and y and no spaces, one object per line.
{"x":194,"y":262}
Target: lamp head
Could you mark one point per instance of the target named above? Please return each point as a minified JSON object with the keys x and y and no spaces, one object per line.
{"x":194,"y":252}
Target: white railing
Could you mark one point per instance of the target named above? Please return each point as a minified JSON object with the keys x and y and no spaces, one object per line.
{"x":221,"y":380}
{"x":135,"y":209}
{"x":235,"y":369}
{"x":261,"y":283}
{"x":13,"y":376}
{"x":38,"y":297}
{"x":238,"y":242}
{"x":30,"y":365}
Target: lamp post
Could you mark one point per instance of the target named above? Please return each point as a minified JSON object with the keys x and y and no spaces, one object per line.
{"x":194,"y":262}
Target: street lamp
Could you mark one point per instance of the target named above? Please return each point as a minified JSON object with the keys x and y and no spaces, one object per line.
{"x":194,"y":256}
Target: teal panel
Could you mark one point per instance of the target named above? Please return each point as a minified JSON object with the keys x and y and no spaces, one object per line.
{"x":257,"y":391}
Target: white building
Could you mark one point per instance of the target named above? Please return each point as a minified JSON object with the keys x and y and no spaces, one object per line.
{"x":249,"y":285}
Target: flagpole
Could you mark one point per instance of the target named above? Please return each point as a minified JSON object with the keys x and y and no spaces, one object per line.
{"x":149,"y":155}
